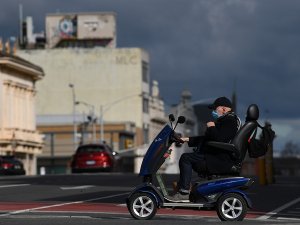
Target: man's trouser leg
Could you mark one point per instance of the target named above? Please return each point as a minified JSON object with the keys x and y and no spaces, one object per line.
{"x":187,"y":162}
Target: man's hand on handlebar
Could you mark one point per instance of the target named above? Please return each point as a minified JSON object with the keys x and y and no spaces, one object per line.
{"x":185,"y":139}
{"x":211,"y":124}
{"x":177,"y":138}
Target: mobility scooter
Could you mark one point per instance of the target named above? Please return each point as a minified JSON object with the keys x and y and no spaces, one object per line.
{"x":221,"y":192}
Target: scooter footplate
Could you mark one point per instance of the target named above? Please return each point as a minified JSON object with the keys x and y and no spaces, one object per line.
{"x":183,"y":204}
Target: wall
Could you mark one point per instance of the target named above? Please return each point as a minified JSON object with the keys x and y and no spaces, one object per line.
{"x":100,"y":77}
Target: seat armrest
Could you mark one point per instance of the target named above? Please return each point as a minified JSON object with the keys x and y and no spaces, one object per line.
{"x":223,"y":146}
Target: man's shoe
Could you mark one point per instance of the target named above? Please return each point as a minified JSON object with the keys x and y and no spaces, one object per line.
{"x":178,"y":197}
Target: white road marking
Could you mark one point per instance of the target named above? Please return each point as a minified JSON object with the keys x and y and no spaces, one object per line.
{"x":92,"y":217}
{"x":274,"y":212}
{"x":77,"y":187}
{"x":62,"y":204}
{"x":13,"y":185}
{"x":122,"y":205}
{"x":287,"y":218}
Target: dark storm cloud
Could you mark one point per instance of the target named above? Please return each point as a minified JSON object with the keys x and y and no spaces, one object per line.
{"x":203,"y":46}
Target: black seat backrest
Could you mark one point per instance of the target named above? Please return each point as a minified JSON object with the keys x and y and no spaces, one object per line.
{"x":240,"y":141}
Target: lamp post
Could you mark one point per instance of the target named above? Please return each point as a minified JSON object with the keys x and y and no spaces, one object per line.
{"x":91,"y":116}
{"x":74,"y":116}
{"x":106,"y":107}
{"x":101,"y":124}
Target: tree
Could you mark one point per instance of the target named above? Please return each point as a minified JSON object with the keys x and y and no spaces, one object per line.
{"x":290,"y":149}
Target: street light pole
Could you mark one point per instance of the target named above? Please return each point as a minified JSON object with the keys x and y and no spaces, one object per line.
{"x":94,"y":124}
{"x":74,"y":116}
{"x":91,"y":117}
{"x":101,"y":124}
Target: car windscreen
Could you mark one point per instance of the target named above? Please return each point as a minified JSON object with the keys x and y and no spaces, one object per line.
{"x":8,"y":158}
{"x":90,"y":149}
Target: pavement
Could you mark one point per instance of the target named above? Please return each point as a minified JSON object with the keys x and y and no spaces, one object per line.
{"x":102,"y":197}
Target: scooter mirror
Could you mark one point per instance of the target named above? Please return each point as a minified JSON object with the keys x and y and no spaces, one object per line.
{"x":171,"y":118}
{"x":181,"y":119}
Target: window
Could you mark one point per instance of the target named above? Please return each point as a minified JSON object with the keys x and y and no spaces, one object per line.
{"x":145,"y":71}
{"x":145,"y":105}
{"x":146,"y":134}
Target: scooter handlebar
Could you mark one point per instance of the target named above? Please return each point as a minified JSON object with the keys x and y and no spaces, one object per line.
{"x":176,"y":138}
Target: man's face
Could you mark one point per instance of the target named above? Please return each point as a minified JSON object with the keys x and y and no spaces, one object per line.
{"x":221,"y":110}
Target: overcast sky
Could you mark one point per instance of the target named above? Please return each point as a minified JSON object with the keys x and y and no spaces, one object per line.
{"x":204,"y":46}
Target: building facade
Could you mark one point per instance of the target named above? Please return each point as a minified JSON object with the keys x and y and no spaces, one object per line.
{"x":18,"y":133}
{"x":92,"y":83}
{"x":158,"y":120}
{"x":116,"y":80}
{"x":187,"y":129}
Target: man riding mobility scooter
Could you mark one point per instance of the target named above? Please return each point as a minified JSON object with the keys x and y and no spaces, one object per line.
{"x":224,"y":193}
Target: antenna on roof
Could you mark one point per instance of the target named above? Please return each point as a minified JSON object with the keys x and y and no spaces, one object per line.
{"x":21,"y":24}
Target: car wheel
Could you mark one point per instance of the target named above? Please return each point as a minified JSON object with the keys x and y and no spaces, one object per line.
{"x":142,"y":206}
{"x":231,"y":207}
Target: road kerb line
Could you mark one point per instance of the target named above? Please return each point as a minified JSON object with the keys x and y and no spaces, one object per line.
{"x":288,"y":218}
{"x":274,"y":212}
{"x":61,"y":204}
{"x":77,"y":187}
{"x":14,"y":185}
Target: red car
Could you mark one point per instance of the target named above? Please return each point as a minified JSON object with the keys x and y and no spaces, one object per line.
{"x":93,"y":158}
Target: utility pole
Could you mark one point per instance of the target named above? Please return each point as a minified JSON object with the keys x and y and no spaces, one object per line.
{"x":101,"y":124}
{"x":74,"y":116}
{"x":91,"y":117}
{"x":21,"y":24}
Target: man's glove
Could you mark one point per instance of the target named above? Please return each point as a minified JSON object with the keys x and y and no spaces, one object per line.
{"x":177,"y":139}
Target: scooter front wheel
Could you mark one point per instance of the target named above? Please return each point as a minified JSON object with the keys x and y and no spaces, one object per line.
{"x":231,"y":207}
{"x":142,"y":206}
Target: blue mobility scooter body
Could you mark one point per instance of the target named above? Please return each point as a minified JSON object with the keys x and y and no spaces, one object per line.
{"x":225,"y":195}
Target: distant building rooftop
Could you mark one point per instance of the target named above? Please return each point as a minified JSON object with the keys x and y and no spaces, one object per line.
{"x":21,"y":61}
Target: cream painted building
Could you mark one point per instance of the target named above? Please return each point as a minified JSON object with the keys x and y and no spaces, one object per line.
{"x":116,"y":79}
{"x":88,"y":76}
{"x":157,"y":114}
{"x":18,"y":134}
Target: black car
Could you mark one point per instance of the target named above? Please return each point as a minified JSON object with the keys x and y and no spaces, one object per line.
{"x":9,"y":165}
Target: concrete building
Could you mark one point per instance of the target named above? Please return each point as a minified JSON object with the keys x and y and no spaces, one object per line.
{"x":18,"y":133}
{"x":87,"y":77}
{"x":81,"y":30}
{"x":158,"y":120}
{"x":156,"y":112}
{"x":65,"y":30}
{"x":189,"y":128}
{"x":116,"y":79}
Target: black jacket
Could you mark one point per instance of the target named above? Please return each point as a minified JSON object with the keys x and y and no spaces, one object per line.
{"x":224,"y":131}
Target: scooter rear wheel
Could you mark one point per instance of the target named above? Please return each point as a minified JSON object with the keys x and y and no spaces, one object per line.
{"x":142,"y":206}
{"x":231,"y":207}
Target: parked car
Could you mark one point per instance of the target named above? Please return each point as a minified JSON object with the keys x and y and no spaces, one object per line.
{"x":9,"y":165}
{"x":93,"y":158}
